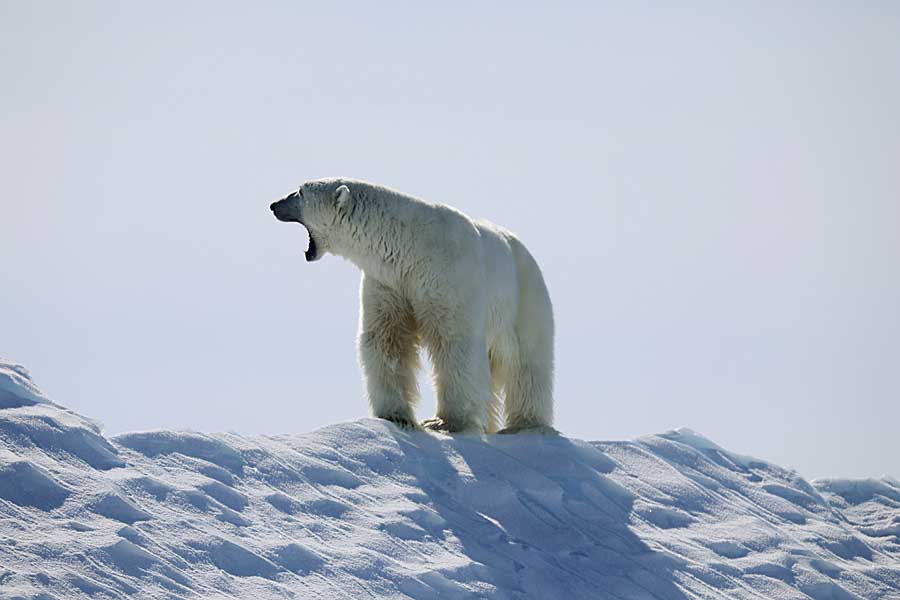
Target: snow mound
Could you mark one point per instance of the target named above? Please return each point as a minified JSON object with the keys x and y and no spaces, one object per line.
{"x":364,"y":509}
{"x":196,"y":445}
{"x":16,"y":386}
{"x":36,"y":426}
{"x":25,"y":484}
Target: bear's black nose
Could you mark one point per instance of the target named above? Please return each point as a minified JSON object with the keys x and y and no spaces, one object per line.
{"x":272,"y":206}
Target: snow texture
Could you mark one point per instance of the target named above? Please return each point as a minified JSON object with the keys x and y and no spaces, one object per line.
{"x":364,"y":509}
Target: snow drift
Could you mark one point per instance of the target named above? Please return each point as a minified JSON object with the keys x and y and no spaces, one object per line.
{"x":364,"y":509}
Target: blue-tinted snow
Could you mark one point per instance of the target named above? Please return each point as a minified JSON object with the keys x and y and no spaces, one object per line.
{"x":17,"y":388}
{"x":363,"y":509}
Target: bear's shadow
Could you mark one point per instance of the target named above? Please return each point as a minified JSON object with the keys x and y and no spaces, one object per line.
{"x":535,"y":515}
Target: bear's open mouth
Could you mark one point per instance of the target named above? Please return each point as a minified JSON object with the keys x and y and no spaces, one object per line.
{"x":312,"y":252}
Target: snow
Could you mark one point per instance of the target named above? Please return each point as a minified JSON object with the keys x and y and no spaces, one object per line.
{"x":16,"y":387}
{"x":363,"y":509}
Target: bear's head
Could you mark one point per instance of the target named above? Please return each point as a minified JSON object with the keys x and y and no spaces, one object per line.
{"x":318,"y":206}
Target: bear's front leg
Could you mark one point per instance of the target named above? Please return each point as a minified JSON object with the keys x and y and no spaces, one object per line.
{"x":388,"y":353}
{"x":463,"y":385}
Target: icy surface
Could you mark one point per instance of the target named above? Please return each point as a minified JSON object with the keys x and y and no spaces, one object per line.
{"x":363,"y":509}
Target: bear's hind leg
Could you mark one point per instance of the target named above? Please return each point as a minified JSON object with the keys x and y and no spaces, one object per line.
{"x":498,"y":364}
{"x":528,"y":402}
{"x":388,"y":353}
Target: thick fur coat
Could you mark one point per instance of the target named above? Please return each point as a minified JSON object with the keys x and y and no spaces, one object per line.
{"x":467,"y":290}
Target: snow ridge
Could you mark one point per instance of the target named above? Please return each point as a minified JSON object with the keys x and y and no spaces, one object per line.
{"x":16,"y":386}
{"x":364,"y":509}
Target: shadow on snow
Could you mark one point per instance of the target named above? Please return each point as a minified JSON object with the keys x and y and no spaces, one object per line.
{"x":537,"y":517}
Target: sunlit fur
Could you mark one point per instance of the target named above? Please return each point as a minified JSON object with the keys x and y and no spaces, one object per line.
{"x":466,"y":290}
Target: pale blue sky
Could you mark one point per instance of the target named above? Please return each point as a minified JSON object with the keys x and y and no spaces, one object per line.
{"x":712,"y":191}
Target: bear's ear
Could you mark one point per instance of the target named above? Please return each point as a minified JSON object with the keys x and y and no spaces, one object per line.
{"x":342,"y":197}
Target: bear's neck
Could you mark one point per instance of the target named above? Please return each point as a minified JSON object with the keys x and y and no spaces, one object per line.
{"x":379,"y":239}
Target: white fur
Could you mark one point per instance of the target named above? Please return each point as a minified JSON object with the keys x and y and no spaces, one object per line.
{"x":467,"y":290}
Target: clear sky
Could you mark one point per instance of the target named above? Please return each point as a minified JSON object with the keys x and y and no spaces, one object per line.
{"x":712,"y":190}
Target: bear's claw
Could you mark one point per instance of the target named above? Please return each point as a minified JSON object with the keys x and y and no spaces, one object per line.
{"x":438,"y":424}
{"x":402,"y":422}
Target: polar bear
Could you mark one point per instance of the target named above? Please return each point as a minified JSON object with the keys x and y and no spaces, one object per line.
{"x":467,"y":290}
